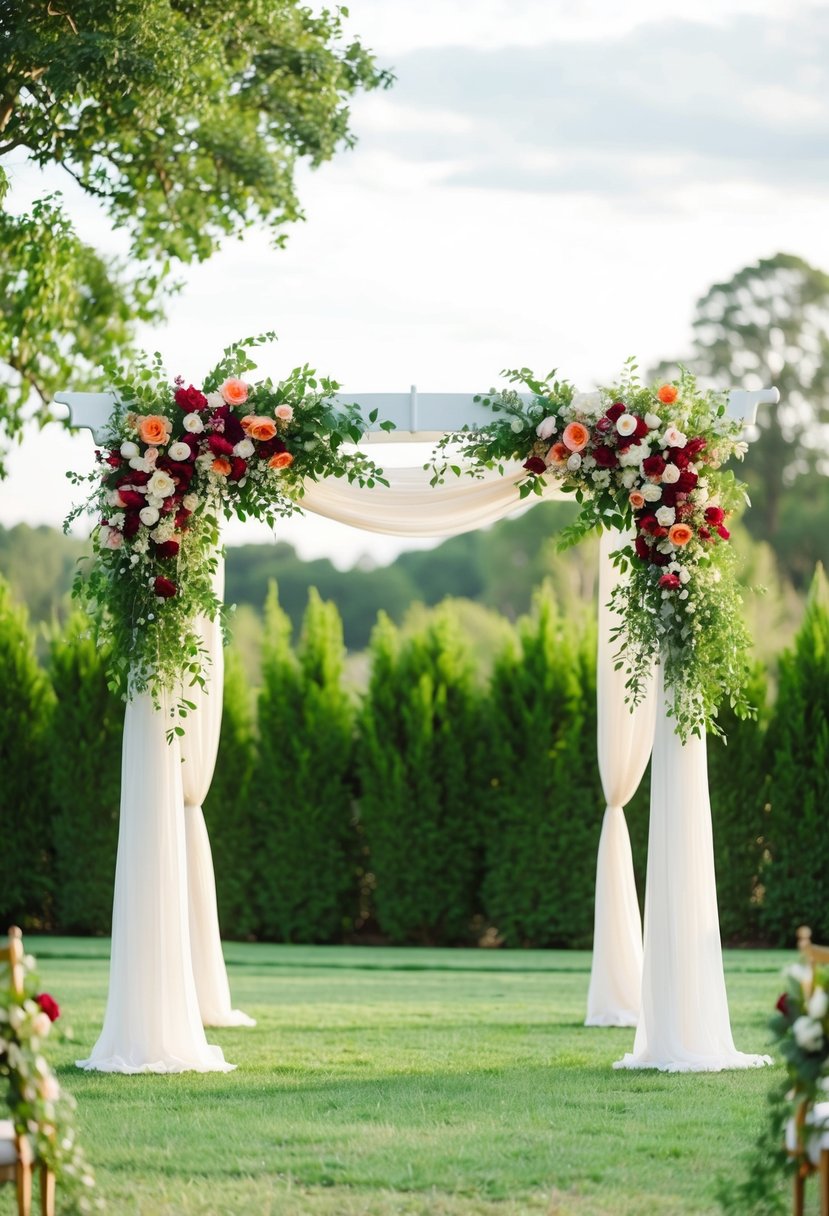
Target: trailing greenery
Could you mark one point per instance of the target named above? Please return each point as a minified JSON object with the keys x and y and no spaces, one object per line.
{"x":420,"y":767}
{"x":83,"y":760}
{"x":303,"y":780}
{"x":796,"y":875}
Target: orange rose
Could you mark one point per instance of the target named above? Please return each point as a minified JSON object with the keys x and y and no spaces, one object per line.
{"x":558,"y":454}
{"x":636,"y":499}
{"x":257,"y":427}
{"x":680,"y":534}
{"x":667,"y":394}
{"x":235,"y":392}
{"x":575,"y":436}
{"x":154,"y":429}
{"x":221,"y":465}
{"x":282,"y":460}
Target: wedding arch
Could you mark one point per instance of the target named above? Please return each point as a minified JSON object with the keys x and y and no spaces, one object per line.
{"x":174,"y":457}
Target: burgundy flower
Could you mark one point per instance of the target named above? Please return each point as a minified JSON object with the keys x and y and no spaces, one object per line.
{"x":670,"y":582}
{"x":703,"y":534}
{"x":182,"y":516}
{"x":534,"y":465}
{"x":190,"y":399}
{"x":669,"y":496}
{"x":783,"y":1004}
{"x":49,"y":1006}
{"x":133,"y":478}
{"x":238,"y":468}
{"x":723,"y":532}
{"x":616,"y":410}
{"x":220,"y":446}
{"x":167,"y":548}
{"x":641,"y":428}
{"x":164,"y":588}
{"x":694,"y":446}
{"x":115,"y":459}
{"x":271,"y":447}
{"x":605,"y":457}
{"x":686,"y":482}
{"x":643,"y":549}
{"x":659,"y":532}
{"x":679,"y":457}
{"x":233,"y":428}
{"x":647,"y":523}
{"x":659,"y":559}
{"x":131,"y":524}
{"x":653,"y":466}
{"x":714,"y":515}
{"x":131,"y":498}
{"x":604,"y":425}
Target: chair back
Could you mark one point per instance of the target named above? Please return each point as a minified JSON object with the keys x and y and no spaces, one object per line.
{"x":12,"y":955}
{"x":812,"y":954}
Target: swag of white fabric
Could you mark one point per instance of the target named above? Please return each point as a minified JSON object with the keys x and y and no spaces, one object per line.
{"x":167,"y":975}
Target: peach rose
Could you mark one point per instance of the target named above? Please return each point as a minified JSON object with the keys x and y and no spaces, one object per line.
{"x":575,"y":436}
{"x":284,"y":413}
{"x":282,"y":460}
{"x":636,"y":499}
{"x":667,"y":394}
{"x":154,"y":429}
{"x":257,"y":427}
{"x":221,"y":465}
{"x":558,"y":454}
{"x":680,"y":534}
{"x":235,"y":392}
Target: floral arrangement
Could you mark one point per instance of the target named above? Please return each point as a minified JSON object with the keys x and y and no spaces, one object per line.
{"x":646,"y":461}
{"x":801,"y":1027}
{"x":176,"y":458}
{"x":40,"y":1108}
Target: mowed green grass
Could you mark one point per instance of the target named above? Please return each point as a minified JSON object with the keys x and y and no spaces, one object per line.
{"x":399,"y":1082}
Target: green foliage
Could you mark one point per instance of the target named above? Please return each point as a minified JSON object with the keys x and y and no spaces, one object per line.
{"x":545,"y":802}
{"x":227,"y":808}
{"x":25,"y":807}
{"x":84,"y":762}
{"x":796,"y":877}
{"x":419,"y":765}
{"x":303,"y":779}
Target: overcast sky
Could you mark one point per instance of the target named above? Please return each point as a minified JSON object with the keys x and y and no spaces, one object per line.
{"x":549,"y":183}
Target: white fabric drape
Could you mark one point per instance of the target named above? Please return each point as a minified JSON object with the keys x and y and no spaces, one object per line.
{"x":152,"y":1021}
{"x":684,"y":1024}
{"x":199,"y":748}
{"x":624,"y":742}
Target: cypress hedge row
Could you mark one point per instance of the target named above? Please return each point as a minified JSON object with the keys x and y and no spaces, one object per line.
{"x":431,"y":810}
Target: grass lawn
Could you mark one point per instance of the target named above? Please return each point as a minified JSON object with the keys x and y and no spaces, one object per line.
{"x":401,"y":1082}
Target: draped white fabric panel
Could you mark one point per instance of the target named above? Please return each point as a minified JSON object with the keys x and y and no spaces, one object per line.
{"x":199,"y":748}
{"x":410,"y":507}
{"x":152,"y":1021}
{"x":624,"y":743}
{"x":684,"y":1024}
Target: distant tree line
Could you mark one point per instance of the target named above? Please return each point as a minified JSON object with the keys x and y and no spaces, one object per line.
{"x":439,"y":807}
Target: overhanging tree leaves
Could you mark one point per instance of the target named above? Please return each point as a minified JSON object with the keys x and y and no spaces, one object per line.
{"x":184,"y":121}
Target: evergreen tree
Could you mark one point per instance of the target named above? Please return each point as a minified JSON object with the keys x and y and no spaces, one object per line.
{"x":545,"y":804}
{"x":227,"y":808}
{"x":84,"y":757}
{"x":303,"y":780}
{"x":419,"y":764}
{"x":25,"y":807}
{"x":796,"y":877}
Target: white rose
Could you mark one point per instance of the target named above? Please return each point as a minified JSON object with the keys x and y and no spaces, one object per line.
{"x":160,"y":484}
{"x":547,"y":427}
{"x":653,"y":422}
{"x":244,"y":448}
{"x":808,"y":1034}
{"x":818,"y":1006}
{"x":130,"y":449}
{"x":179,"y":451}
{"x":626,"y":424}
{"x":190,"y":502}
{"x":651,"y":493}
{"x":674,"y":438}
{"x":670,"y":474}
{"x":148,"y":516}
{"x":574,"y":462}
{"x":193,"y":424}
{"x":665,"y":516}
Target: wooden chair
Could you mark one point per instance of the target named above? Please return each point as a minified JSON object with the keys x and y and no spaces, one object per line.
{"x":810,"y":1147}
{"x":16,"y":1156}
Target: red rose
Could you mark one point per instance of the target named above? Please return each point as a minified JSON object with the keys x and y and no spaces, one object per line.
{"x":167,"y":548}
{"x":714,"y":515}
{"x":686,"y":481}
{"x":783,"y":1004}
{"x":642,"y":547}
{"x":679,"y":457}
{"x":658,"y":533}
{"x":616,"y":410}
{"x":653,"y":466}
{"x":670,"y":582}
{"x":604,"y":425}
{"x":724,"y":533}
{"x":641,"y":428}
{"x":164,"y":588}
{"x":190,"y":399}
{"x":534,"y":465}
{"x":131,"y":498}
{"x":703,"y":534}
{"x":220,"y":446}
{"x":238,"y":468}
{"x":693,"y":446}
{"x":49,"y":1006}
{"x":114,"y":458}
{"x":131,"y":524}
{"x":605,"y":457}
{"x":647,"y":523}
